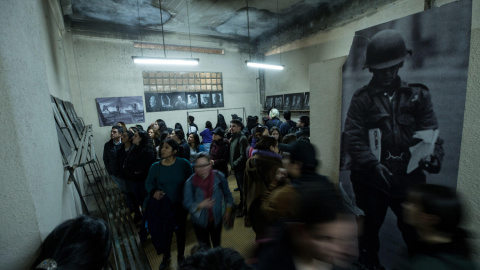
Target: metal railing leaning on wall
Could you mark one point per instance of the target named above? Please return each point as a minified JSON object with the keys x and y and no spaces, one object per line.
{"x":98,"y":194}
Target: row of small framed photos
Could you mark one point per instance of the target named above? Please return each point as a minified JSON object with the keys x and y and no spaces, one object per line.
{"x":295,"y":101}
{"x":157,"y":102}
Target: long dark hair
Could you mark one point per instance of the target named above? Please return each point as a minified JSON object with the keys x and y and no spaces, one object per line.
{"x":208,"y":125}
{"x":221,"y":122}
{"x":161,"y":125}
{"x":80,"y":243}
{"x":180,"y":134}
{"x":265,"y":142}
{"x":196,"y":139}
{"x":146,"y":140}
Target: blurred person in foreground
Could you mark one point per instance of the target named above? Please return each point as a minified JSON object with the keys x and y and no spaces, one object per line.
{"x":206,"y":192}
{"x":79,"y":243}
{"x":436,"y":213}
{"x":317,"y":231}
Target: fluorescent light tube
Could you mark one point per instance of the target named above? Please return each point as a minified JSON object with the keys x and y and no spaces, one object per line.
{"x":263,"y":65}
{"x":165,"y":61}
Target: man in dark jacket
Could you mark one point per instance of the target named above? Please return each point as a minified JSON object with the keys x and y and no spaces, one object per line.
{"x":238,"y":149}
{"x":288,"y":124}
{"x":303,"y":125}
{"x":384,"y":121}
{"x":110,"y":157}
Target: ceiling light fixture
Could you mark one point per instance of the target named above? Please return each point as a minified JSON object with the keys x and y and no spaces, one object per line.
{"x":253,"y":64}
{"x":165,"y":60}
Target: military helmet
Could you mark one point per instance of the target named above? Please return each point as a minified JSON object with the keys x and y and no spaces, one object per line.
{"x":385,"y":49}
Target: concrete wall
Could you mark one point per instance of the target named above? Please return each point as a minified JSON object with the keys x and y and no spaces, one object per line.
{"x":315,"y":64}
{"x":34,"y":196}
{"x":105,"y":69}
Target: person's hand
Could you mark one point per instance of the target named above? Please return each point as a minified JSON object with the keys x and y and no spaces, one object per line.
{"x":383,"y":174}
{"x":226,"y":216}
{"x":207,"y":203}
{"x":430,"y":164}
{"x":158,"y":194}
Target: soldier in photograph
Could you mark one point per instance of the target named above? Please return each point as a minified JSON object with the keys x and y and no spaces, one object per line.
{"x":384,"y":116}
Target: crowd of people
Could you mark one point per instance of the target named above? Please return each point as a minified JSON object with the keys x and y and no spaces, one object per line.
{"x":299,"y":217}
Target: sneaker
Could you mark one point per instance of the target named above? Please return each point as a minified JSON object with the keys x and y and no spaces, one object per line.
{"x":236,"y":189}
{"x":165,"y":262}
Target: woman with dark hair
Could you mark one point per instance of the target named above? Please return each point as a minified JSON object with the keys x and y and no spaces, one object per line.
{"x":165,"y":183}
{"x":259,"y":131}
{"x":221,"y":122}
{"x":205,"y":193}
{"x":179,"y":136}
{"x":207,"y":136}
{"x":436,"y":213}
{"x":275,"y":132}
{"x":219,"y":151}
{"x":122,"y":153}
{"x":195,"y":146}
{"x":160,"y":125}
{"x":137,"y":163}
{"x":179,"y":126}
{"x":260,"y":172}
{"x":79,"y":243}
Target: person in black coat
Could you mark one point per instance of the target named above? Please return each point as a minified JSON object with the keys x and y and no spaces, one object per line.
{"x":137,"y":163}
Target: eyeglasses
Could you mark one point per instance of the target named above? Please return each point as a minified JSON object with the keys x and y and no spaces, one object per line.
{"x":201,"y":166}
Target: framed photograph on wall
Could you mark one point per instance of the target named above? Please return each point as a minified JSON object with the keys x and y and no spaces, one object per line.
{"x":166,"y":101}
{"x":297,"y":102}
{"x":179,"y":100}
{"x":205,"y":100}
{"x":129,"y":110}
{"x":217,"y":99}
{"x":278,"y":102}
{"x":193,"y":101}
{"x":306,"y":101}
{"x":268,"y":103}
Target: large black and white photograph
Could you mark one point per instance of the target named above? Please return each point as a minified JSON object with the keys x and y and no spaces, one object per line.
{"x":297,"y":102}
{"x":278,"y":102}
{"x":403,"y":100}
{"x":268,"y":103}
{"x":306,"y":101}
{"x":205,"y":100}
{"x":192,"y":102}
{"x":129,"y":110}
{"x":217,"y":99}
{"x":153,"y":102}
{"x":287,"y":101}
{"x":179,"y":101}
{"x":166,"y":101}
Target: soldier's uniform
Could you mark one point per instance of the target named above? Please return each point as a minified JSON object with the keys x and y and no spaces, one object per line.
{"x":397,"y":111}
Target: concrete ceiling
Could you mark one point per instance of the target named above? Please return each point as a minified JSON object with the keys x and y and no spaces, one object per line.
{"x":221,"y":19}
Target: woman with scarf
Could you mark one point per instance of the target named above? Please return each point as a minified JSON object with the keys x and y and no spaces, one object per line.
{"x":260,"y":171}
{"x":204,"y":195}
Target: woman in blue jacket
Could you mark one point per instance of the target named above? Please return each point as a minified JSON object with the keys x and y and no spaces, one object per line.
{"x":205,"y":194}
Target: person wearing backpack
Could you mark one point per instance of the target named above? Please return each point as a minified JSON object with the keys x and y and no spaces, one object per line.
{"x":274,"y":120}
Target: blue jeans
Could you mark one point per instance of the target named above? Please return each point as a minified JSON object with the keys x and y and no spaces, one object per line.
{"x":207,"y":147}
